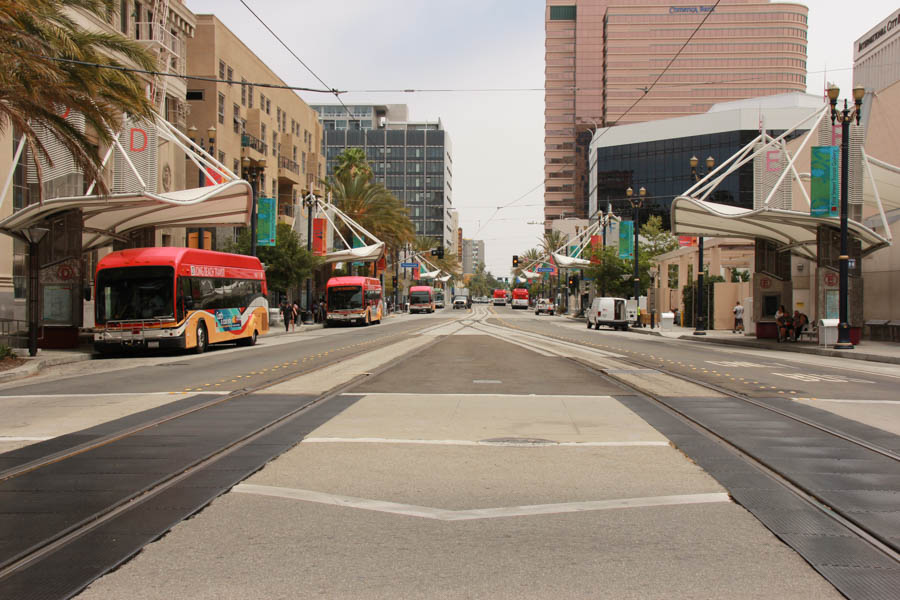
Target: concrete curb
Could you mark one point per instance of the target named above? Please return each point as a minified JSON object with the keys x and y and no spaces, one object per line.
{"x":789,"y":347}
{"x":37,"y":364}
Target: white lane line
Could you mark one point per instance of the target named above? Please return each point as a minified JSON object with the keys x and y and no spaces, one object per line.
{"x":376,"y":440}
{"x":111,"y":395}
{"x":9,"y":438}
{"x":849,"y":401}
{"x":433,"y":395}
{"x":440,"y":514}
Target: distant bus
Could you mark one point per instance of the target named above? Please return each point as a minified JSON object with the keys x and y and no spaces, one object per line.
{"x":353,"y":300}
{"x":520,"y":298}
{"x":438,"y":298}
{"x":178,"y":298}
{"x":499,"y":297}
{"x":421,"y":299}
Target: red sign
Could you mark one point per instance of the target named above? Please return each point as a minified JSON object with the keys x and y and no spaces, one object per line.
{"x":765,"y":283}
{"x":596,"y":245}
{"x":318,"y":241}
{"x":687,"y":240}
{"x":381,"y":265}
{"x":212,"y":177}
{"x":416,"y":272}
{"x":831,"y":279}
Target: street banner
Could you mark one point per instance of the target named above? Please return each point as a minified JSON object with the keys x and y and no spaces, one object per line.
{"x":824,"y":188}
{"x":381,"y":265}
{"x":596,"y":247}
{"x":319,"y":239}
{"x":266,"y":220}
{"x":213,"y":177}
{"x":626,"y":240}
{"x":416,"y":271}
{"x":686,"y":241}
{"x":574,"y":251}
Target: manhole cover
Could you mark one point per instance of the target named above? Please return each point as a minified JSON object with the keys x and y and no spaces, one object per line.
{"x":514,"y":441}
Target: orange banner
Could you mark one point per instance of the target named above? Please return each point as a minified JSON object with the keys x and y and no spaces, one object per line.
{"x":596,"y":247}
{"x":318,"y":241}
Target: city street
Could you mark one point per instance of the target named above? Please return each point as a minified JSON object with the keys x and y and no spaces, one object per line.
{"x":479,"y":453}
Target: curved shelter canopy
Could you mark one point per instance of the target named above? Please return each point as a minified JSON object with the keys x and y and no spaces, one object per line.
{"x":109,"y":218}
{"x":789,"y":229}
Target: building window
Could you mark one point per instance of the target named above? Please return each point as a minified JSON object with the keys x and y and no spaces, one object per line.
{"x":237,"y":119}
{"x":221,"y":69}
{"x":221,"y":157}
{"x":249,"y":96}
{"x":230,"y":75}
{"x":243,"y":92}
{"x":278,"y":116}
{"x":268,"y":106}
{"x":123,"y":16}
{"x":194,"y":95}
{"x":274,"y":143}
{"x":221,"y":108}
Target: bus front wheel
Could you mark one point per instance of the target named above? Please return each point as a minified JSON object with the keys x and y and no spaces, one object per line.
{"x":202,"y":340}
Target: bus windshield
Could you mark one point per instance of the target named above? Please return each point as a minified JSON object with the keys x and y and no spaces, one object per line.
{"x":420,"y":298}
{"x":345,"y":297}
{"x":132,"y":293}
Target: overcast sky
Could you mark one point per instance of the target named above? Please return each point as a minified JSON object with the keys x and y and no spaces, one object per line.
{"x":462,"y":45}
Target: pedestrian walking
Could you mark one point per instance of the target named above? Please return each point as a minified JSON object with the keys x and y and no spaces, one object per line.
{"x":296,"y":318}
{"x":287,"y":315}
{"x":322,"y":310}
{"x":315,"y":311}
{"x":738,"y":311}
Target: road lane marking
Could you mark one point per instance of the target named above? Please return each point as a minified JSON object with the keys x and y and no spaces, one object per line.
{"x":107,"y":395}
{"x":813,"y":378}
{"x":848,"y":401}
{"x":433,"y":395}
{"x":10,"y":438}
{"x":440,"y":514}
{"x":375,"y":440}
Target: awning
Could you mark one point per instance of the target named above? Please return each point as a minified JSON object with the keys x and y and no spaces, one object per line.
{"x":109,"y":218}
{"x":887,"y":180}
{"x":361,"y":254}
{"x":429,"y":274}
{"x":789,"y":229}
{"x":567,"y":262}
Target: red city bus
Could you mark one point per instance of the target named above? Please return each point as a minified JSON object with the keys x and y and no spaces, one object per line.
{"x":421,"y":299}
{"x":520,"y":298}
{"x":499,"y":297}
{"x":353,"y":299}
{"x":178,"y":298}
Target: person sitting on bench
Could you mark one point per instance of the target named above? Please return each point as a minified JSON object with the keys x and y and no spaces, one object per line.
{"x":784,"y":323}
{"x":801,"y":321}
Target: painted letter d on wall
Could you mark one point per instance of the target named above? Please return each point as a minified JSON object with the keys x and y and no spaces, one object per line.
{"x":143,"y":134}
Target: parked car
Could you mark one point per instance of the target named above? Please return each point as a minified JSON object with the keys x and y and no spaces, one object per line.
{"x":543,"y":306}
{"x":460,"y":302}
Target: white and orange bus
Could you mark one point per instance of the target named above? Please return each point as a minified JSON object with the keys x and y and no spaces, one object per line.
{"x":178,"y":298}
{"x":421,"y":299}
{"x":520,"y":298}
{"x":353,"y":300}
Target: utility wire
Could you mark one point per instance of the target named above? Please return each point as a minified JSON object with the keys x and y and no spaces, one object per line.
{"x":190,"y":77}
{"x":334,"y":91}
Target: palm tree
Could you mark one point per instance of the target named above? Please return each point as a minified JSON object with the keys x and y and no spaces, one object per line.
{"x":552,"y":241}
{"x":352,"y":162}
{"x":50,"y":66}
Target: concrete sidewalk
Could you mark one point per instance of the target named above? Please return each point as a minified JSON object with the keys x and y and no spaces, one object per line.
{"x":885,"y":352}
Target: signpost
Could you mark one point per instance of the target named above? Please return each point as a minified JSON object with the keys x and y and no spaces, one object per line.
{"x":409,"y":265}
{"x":545,"y":269}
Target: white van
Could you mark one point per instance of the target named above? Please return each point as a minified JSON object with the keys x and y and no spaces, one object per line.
{"x":608,"y":311}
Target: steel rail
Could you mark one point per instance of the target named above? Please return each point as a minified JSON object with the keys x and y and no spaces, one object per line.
{"x":876,"y":540}
{"x":62,"y":537}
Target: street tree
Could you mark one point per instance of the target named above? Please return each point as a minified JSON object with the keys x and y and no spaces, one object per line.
{"x":352,"y":162}
{"x":52,"y":65}
{"x":288,"y":262}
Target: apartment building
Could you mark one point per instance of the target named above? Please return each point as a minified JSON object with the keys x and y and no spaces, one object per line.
{"x":603,"y":56}
{"x":412,"y":159}
{"x":473,"y":253}
{"x":277,"y":133}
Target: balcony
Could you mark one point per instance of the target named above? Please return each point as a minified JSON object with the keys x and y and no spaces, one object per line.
{"x":286,"y":213}
{"x":251,"y":142}
{"x":157,"y":38}
{"x":288,"y":171}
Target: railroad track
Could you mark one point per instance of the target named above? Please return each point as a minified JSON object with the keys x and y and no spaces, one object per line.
{"x":827,"y":502}
{"x":21,"y":571}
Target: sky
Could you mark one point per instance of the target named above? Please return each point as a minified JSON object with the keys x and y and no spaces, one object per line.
{"x":458,"y":46}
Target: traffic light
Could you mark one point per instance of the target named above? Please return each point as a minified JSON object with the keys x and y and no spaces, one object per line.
{"x":439,"y":252}
{"x":394,"y":281}
{"x":515,"y":261}
{"x":572,"y":281}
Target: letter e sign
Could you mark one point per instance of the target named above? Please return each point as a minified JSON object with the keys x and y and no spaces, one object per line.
{"x":773,"y":160}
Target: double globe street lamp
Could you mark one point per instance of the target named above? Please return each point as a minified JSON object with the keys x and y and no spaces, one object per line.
{"x":252,"y":171}
{"x":844,"y":117}
{"x":636,"y":202}
{"x":699,"y":325}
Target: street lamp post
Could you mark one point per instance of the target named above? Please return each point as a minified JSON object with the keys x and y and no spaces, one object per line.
{"x":636,"y":202}
{"x":652,"y":294}
{"x":252,"y":170}
{"x":844,"y":117}
{"x":309,"y":201}
{"x":699,"y":317}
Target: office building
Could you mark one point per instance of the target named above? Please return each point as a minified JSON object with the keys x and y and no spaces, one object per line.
{"x":473,"y":254}
{"x":876,"y":55}
{"x":257,"y":123}
{"x":412,"y":159}
{"x":603,"y":55}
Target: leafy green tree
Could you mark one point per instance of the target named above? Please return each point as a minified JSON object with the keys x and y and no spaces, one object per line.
{"x":288,"y":262}
{"x":610,"y":274}
{"x":654,"y":240}
{"x":37,"y":38}
{"x":483,"y":283}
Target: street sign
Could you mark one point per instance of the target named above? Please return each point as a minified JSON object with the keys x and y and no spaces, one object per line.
{"x":545,"y":269}
{"x":409,"y":265}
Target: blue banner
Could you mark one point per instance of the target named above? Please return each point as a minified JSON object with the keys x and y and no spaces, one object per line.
{"x":266,"y":221}
{"x":825,"y":195}
{"x":626,"y":240}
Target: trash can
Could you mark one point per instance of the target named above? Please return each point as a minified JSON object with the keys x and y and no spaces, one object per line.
{"x":828,"y":332}
{"x":666,"y":320}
